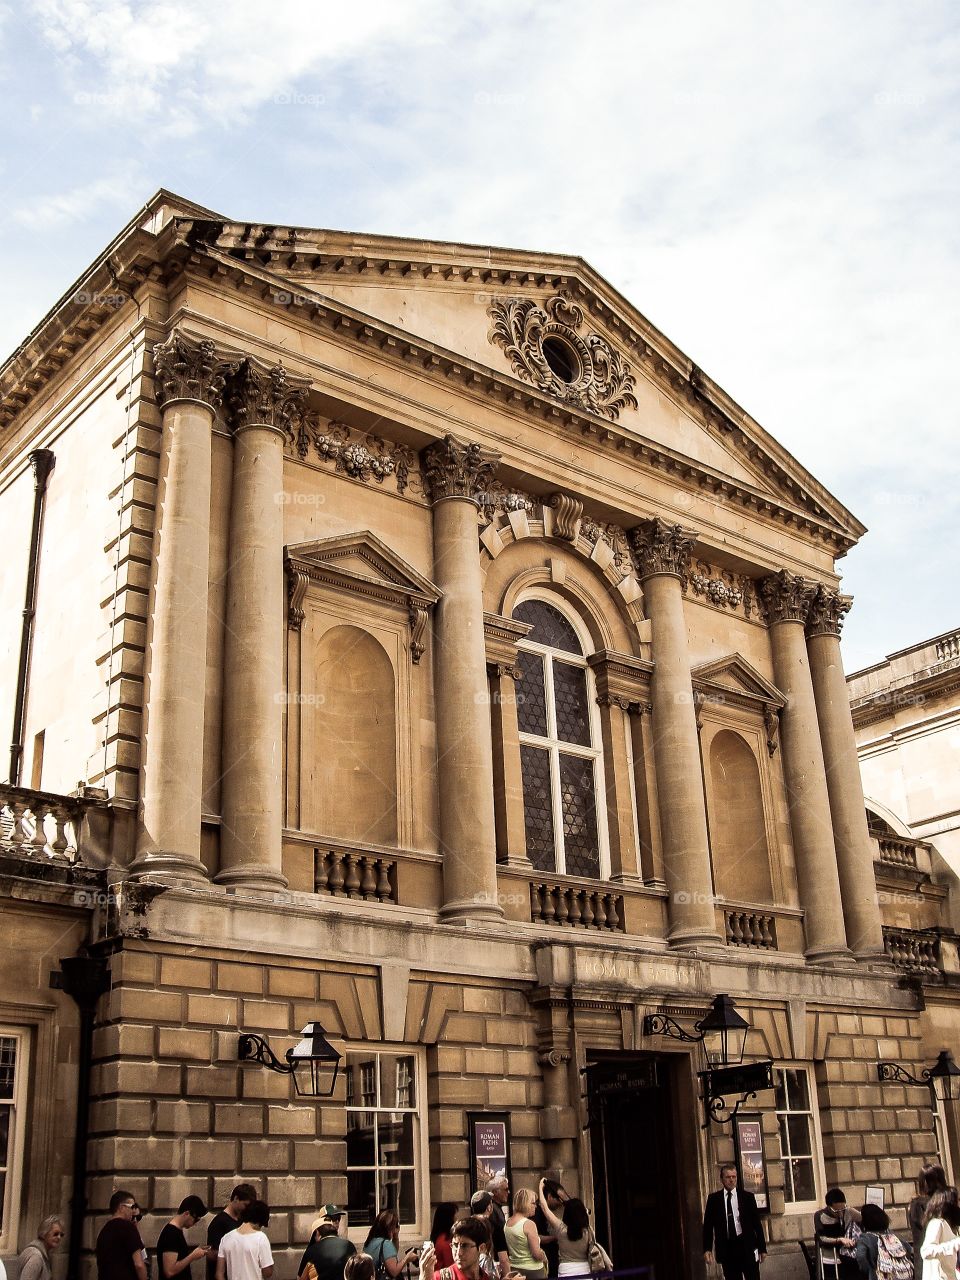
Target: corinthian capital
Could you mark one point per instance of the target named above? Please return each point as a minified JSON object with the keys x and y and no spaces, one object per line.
{"x":658,"y":547}
{"x":827,"y":611}
{"x":454,"y":468}
{"x":785,"y":597}
{"x":261,"y":397}
{"x":187,"y":369}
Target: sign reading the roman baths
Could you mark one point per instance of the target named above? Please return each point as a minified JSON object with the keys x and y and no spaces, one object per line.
{"x":489,"y":1135}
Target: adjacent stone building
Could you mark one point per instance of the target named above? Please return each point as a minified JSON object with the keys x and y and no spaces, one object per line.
{"x":417,"y":642}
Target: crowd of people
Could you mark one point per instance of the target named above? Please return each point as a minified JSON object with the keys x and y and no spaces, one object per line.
{"x":547,"y":1234}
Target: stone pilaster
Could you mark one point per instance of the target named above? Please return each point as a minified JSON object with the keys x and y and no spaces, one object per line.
{"x":455,"y":473}
{"x":661,"y":554}
{"x":263,"y":404}
{"x":786,"y":600}
{"x":861,"y":910}
{"x":189,"y":376}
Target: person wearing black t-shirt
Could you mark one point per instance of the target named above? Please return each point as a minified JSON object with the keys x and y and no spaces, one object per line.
{"x":119,"y":1247}
{"x":228,"y":1219}
{"x":327,"y":1252}
{"x":174,"y":1255}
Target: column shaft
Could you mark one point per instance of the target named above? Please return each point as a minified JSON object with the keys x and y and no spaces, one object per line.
{"x":252,"y":804}
{"x":786,"y":599}
{"x":661,"y":553}
{"x":189,"y":382}
{"x":858,"y":886}
{"x":454,"y":471}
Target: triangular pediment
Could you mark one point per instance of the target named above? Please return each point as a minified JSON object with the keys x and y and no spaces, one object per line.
{"x":474,"y":314}
{"x":366,"y":560}
{"x":735,"y":674}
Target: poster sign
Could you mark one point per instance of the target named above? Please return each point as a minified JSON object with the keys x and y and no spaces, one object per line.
{"x":489,"y":1136}
{"x":874,"y":1195}
{"x":751,"y":1164}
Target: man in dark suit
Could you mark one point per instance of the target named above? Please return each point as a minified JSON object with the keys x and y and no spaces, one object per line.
{"x":732,"y":1229}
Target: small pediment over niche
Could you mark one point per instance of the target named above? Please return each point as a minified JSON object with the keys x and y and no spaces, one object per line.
{"x":734,"y":674}
{"x":360,"y":564}
{"x":732,"y":679}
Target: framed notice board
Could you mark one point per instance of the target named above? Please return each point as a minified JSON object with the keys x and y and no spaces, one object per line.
{"x":751,"y":1163}
{"x":489,"y":1136}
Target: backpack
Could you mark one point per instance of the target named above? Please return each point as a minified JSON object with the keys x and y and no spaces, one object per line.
{"x":892,"y":1260}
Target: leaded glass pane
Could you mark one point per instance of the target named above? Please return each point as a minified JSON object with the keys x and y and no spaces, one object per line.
{"x":579,"y":809}
{"x":570,"y":699}
{"x":550,"y":627}
{"x":531,"y":698}
{"x":537,"y":807}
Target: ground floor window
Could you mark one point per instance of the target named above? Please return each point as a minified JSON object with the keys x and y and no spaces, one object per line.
{"x":386,"y":1134}
{"x":13,"y":1076}
{"x":800,"y":1152}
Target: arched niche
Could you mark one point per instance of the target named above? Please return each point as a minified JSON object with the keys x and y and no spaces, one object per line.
{"x":738,"y":829}
{"x":356,"y":738}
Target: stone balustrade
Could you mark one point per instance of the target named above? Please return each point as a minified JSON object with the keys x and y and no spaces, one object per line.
{"x":913,"y":950}
{"x":750,"y":929}
{"x":897,"y":851}
{"x":575,"y":906}
{"x":39,"y":825}
{"x":348,"y":873}
{"x":948,"y":648}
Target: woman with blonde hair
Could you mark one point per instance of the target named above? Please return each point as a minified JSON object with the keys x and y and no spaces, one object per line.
{"x":35,"y":1258}
{"x":523,"y":1240}
{"x":930,"y":1179}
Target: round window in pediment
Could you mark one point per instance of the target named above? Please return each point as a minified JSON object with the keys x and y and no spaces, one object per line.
{"x":562,"y":359}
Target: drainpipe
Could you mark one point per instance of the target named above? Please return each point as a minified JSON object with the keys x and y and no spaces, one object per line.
{"x":84,"y":978}
{"x":42,"y":461}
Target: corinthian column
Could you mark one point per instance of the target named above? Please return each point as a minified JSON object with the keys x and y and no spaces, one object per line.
{"x":786,"y":599}
{"x":661,"y":553}
{"x":455,"y":472}
{"x":858,"y":887}
{"x":262,"y":402}
{"x":189,"y":383}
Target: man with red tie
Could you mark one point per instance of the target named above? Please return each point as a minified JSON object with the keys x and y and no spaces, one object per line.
{"x":732,"y":1229}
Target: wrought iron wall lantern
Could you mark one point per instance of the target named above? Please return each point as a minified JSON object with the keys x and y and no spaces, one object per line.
{"x":309,"y":1062}
{"x":723,"y":1034}
{"x":942,"y":1079}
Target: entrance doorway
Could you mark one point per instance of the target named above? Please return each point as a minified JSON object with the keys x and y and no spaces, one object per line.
{"x":643,"y":1150}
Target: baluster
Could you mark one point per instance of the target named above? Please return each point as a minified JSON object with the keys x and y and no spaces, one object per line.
{"x":352,"y":884}
{"x":383,"y":890}
{"x":336,"y":872}
{"x":599,"y":911}
{"x":18,"y":811}
{"x":736,"y":931}
{"x":563,"y":905}
{"x":38,"y":835}
{"x":59,"y":844}
{"x":320,"y":873}
{"x":767,"y":936}
{"x":753,"y":930}
{"x":549,"y":910}
{"x":368,"y":881}
{"x":587,"y":912}
{"x":536,"y":910}
{"x":573,"y":907}
{"x":613,"y":918}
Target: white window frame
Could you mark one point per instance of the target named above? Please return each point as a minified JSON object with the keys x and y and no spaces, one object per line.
{"x":358,"y":1233}
{"x":14,"y":1154}
{"x":554,"y":745}
{"x":942,"y":1136}
{"x":816,"y":1143}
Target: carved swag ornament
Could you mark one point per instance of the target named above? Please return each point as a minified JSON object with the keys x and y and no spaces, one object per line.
{"x":599,"y":381}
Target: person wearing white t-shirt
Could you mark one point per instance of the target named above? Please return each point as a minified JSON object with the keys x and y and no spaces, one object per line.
{"x":245,"y":1253}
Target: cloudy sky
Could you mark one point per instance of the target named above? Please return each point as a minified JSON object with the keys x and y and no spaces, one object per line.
{"x":773,"y":184}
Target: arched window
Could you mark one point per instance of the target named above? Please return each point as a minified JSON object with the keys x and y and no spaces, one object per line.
{"x":559,"y":756}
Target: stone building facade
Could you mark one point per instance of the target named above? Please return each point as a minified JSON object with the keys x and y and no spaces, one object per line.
{"x":444,"y":657}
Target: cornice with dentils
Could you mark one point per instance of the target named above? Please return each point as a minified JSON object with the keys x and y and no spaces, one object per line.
{"x":186,"y":244}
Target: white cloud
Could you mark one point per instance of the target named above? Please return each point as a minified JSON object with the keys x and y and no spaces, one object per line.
{"x":78,"y":204}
